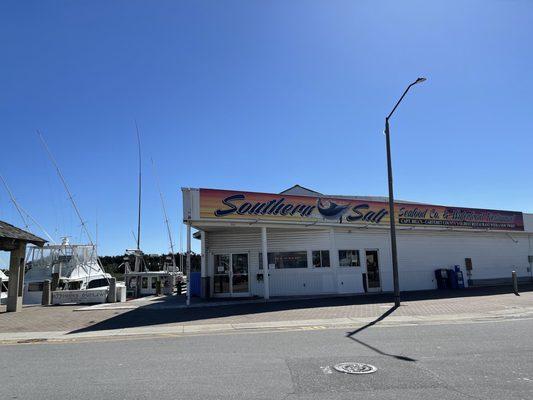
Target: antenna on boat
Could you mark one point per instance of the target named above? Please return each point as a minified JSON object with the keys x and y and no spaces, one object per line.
{"x":84,"y":226}
{"x":22,"y":211}
{"x":165,"y":215}
{"x":96,"y":228}
{"x":140,"y":186}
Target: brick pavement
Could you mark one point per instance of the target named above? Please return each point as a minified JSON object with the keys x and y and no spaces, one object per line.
{"x":433,"y":303}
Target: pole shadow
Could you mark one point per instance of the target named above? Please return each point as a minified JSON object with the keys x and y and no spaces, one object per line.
{"x":351,"y":335}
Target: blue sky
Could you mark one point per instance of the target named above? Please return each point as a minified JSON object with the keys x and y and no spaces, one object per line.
{"x":259,"y":96}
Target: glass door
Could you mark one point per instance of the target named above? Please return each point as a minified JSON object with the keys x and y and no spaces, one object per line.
{"x":372,"y":271}
{"x":231,"y":281}
{"x":239,"y":270}
{"x":221,"y":274}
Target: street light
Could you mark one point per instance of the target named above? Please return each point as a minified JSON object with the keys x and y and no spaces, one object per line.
{"x":391,"y":200}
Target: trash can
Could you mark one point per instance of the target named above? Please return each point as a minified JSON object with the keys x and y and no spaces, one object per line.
{"x":441,"y":275}
{"x":452,"y":279}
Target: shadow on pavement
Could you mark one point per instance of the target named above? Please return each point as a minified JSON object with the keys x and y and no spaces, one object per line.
{"x":157,"y":315}
{"x":351,"y":335}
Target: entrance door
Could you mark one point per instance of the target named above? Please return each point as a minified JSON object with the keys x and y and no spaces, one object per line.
{"x":239,"y":271}
{"x":372,"y":271}
{"x":221,"y":274}
{"x":231,"y":281}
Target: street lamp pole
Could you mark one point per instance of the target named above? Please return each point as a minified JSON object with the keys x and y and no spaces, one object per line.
{"x":391,"y":200}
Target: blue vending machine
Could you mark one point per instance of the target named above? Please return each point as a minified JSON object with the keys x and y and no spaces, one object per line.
{"x":459,"y":277}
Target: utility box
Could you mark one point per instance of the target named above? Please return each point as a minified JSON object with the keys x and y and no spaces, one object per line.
{"x":121,"y":293}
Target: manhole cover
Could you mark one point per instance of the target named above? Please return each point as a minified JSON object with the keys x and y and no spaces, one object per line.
{"x":355,"y":368}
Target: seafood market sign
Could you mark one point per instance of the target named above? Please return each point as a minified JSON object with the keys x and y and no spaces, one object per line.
{"x":229,"y":204}
{"x":89,"y":296}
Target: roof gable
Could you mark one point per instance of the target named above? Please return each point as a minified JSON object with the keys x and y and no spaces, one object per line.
{"x":298,"y":190}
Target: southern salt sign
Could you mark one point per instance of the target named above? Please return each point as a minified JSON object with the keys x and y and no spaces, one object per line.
{"x":229,"y":204}
{"x":89,"y":296}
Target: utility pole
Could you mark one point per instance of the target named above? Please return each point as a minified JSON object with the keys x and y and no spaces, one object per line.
{"x":394,"y":251}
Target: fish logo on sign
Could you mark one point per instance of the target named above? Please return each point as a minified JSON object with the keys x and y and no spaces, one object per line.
{"x":329,"y":209}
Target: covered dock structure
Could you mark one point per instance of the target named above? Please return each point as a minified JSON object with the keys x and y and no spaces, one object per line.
{"x":15,"y":240}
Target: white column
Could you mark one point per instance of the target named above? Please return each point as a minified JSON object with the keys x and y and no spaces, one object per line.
{"x":203,"y":265}
{"x":188,"y":263}
{"x":264,"y":250}
{"x":333,"y":253}
{"x":204,"y":280}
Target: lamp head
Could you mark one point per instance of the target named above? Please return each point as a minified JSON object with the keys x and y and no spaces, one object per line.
{"x":420,"y":80}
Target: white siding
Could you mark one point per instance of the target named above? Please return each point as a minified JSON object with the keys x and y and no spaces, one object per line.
{"x":287,"y":282}
{"x":494,"y":255}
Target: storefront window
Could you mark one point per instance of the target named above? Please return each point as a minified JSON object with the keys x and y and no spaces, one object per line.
{"x":321,"y":258}
{"x":288,"y":259}
{"x":349,"y":258}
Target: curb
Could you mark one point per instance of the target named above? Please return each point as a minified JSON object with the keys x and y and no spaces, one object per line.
{"x":315,"y":324}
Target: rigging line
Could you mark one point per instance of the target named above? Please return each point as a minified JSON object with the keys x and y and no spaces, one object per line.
{"x":164,"y":210}
{"x":84,"y":226}
{"x":134,"y":237}
{"x":14,"y":201}
{"x":38,"y":225}
{"x":140,"y":183}
{"x":22,"y":211}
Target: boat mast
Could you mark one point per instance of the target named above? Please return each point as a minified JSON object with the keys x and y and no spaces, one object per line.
{"x":169,"y":232}
{"x":140,"y":185}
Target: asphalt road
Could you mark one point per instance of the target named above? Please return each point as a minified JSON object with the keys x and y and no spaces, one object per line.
{"x":456,"y":361}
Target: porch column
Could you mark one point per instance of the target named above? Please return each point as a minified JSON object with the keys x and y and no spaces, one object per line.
{"x":188,"y":266}
{"x":264,"y":250}
{"x":16,"y":277}
{"x":203,"y":266}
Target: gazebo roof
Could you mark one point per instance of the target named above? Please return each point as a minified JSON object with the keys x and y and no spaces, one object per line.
{"x":10,"y":233}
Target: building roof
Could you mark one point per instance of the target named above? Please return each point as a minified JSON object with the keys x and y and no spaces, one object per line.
{"x":9,"y":232}
{"x":298,"y":190}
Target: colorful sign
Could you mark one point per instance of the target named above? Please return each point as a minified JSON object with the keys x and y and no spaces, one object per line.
{"x":229,"y":204}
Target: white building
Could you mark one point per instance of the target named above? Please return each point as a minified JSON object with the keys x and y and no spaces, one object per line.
{"x":318,"y":244}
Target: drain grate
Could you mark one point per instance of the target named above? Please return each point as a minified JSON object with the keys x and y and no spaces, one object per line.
{"x":355,"y":368}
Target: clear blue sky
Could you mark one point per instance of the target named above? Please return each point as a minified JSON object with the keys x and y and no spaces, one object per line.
{"x":259,"y":95}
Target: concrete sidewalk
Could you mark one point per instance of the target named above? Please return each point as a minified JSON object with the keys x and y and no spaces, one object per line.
{"x":65,"y":323}
{"x":349,"y":324}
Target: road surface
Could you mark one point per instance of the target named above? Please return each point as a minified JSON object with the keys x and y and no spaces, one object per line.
{"x":484,"y":360}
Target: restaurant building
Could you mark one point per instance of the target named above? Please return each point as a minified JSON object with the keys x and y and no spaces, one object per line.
{"x":316,"y":244}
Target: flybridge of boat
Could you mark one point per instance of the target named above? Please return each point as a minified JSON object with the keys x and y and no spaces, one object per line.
{"x":70,"y":261}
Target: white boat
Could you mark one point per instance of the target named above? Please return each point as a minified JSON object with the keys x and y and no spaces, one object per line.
{"x":4,"y":279}
{"x":68,"y":266}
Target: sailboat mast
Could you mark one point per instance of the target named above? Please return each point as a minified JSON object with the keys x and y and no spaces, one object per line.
{"x":140,"y":187}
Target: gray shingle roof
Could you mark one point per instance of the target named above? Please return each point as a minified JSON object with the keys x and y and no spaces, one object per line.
{"x":10,"y":232}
